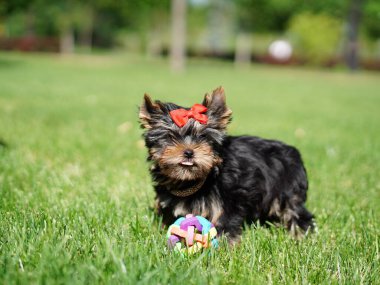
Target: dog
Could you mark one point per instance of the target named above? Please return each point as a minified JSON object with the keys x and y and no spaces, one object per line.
{"x":230,"y":180}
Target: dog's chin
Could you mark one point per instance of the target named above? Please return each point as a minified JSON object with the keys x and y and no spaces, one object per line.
{"x":185,"y":170}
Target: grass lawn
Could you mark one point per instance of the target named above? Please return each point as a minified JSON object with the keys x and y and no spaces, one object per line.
{"x":75,"y":193}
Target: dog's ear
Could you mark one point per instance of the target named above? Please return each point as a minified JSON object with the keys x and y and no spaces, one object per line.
{"x":218,"y":112}
{"x":147,"y":112}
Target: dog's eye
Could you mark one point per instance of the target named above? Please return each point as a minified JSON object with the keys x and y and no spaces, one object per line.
{"x":202,"y":136}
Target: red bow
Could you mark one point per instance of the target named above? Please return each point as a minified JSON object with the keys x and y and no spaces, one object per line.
{"x":181,"y":116}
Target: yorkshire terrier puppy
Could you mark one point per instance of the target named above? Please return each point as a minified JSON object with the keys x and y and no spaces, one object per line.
{"x":230,"y":180}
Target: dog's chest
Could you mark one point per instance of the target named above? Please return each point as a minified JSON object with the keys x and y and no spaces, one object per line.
{"x":210,"y":207}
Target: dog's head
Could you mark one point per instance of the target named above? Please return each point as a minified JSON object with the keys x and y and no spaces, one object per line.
{"x":186,"y":151}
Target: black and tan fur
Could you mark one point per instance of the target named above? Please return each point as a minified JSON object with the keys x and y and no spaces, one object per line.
{"x":229,"y":180}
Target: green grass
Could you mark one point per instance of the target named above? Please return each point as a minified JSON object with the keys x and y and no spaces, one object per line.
{"x":75,"y":193}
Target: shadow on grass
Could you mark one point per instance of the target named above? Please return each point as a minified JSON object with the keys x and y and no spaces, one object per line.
{"x":3,"y":144}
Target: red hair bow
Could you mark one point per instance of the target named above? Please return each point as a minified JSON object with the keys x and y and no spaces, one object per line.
{"x":181,"y":116}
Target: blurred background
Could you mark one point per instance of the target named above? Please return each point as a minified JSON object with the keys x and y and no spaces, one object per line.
{"x":326,"y":33}
{"x":75,"y":191}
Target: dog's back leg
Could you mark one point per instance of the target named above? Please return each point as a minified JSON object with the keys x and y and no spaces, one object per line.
{"x":293,"y":216}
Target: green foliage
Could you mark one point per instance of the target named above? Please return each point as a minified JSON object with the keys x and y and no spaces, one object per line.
{"x":263,"y":15}
{"x":273,"y":15}
{"x":371,"y":18}
{"x":75,"y":190}
{"x":101,"y":18}
{"x":335,"y":8}
{"x":315,"y":36}
{"x":15,"y":25}
{"x":8,"y":7}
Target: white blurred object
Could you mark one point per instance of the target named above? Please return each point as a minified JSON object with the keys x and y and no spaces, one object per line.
{"x":280,"y":50}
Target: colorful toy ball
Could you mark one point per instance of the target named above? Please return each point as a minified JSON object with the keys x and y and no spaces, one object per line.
{"x":191,"y":234}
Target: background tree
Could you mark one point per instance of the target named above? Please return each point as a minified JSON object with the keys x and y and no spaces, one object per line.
{"x":259,"y":16}
{"x":178,"y":34}
{"x":145,"y":26}
{"x":353,"y":23}
{"x":371,"y":18}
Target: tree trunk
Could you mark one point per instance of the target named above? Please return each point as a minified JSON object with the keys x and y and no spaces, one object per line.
{"x":86,"y":38}
{"x":154,"y":45}
{"x":88,"y":28}
{"x":178,"y":35}
{"x":30,"y":20}
{"x":215,"y":22}
{"x":67,"y":41}
{"x":243,"y":49}
{"x":352,"y":48}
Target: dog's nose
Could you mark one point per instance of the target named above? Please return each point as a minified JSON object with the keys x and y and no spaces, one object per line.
{"x":188,"y":153}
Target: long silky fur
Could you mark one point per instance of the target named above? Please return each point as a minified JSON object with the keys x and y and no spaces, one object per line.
{"x":246,"y":179}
